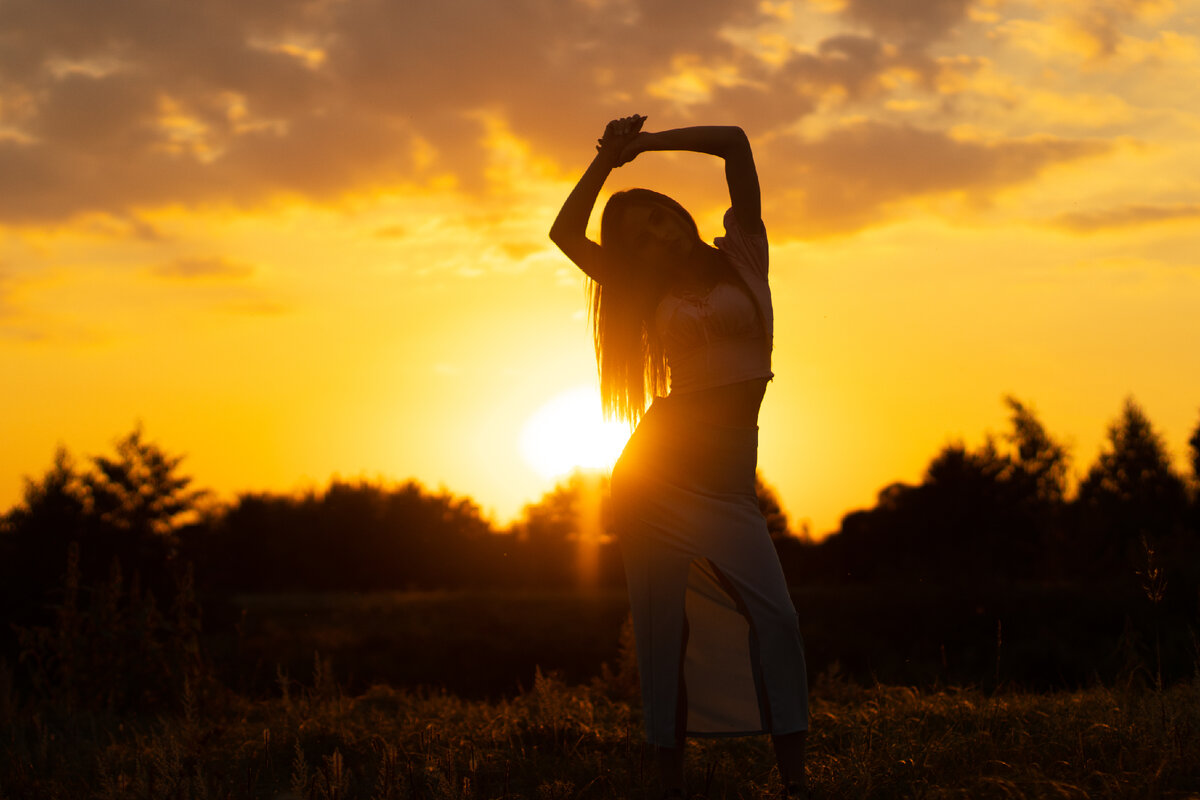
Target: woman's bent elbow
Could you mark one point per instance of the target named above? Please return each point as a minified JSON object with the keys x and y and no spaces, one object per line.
{"x":737,"y":137}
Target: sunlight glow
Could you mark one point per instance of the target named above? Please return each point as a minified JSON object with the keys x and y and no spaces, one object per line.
{"x":570,"y":432}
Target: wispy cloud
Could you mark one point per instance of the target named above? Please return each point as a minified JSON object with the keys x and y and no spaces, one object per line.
{"x":913,"y":21}
{"x":392,"y":232}
{"x":258,"y":307}
{"x":203,"y":267}
{"x":7,"y":308}
{"x":849,"y":178}
{"x":1127,"y":216}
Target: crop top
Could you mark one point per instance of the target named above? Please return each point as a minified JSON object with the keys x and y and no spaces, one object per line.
{"x":726,"y":335}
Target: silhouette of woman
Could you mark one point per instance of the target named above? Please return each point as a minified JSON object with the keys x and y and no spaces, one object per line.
{"x":718,"y":640}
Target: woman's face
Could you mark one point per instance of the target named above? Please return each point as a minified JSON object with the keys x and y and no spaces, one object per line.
{"x":659,"y":237}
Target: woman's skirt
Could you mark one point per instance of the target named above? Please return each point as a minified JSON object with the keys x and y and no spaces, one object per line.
{"x":718,"y":641}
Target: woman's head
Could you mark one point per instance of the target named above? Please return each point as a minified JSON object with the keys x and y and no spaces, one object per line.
{"x":647,"y":239}
{"x":648,"y":233}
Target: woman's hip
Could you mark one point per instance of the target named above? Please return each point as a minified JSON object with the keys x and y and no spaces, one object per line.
{"x":672,"y":449}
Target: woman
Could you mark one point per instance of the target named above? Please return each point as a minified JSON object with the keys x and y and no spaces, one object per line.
{"x":718,"y":642}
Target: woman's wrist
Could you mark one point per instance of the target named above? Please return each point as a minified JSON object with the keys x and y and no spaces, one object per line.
{"x":617,"y":135}
{"x":606,"y":156}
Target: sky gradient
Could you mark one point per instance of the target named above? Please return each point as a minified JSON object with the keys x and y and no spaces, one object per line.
{"x":296,"y":240}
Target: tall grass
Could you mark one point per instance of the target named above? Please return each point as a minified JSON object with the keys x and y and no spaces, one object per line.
{"x":558,"y":741}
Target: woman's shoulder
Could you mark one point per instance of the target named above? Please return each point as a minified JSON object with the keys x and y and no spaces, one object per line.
{"x":748,"y":251}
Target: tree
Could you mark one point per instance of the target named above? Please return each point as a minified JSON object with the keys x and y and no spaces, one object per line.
{"x":574,"y":514}
{"x":140,"y":490}
{"x":1042,"y":460}
{"x":968,"y":509}
{"x":53,"y":512}
{"x":55,"y":505}
{"x":979,"y":514}
{"x":1194,"y":452}
{"x":1038,"y":484}
{"x":352,"y":536}
{"x":129,"y":508}
{"x":771,"y":508}
{"x":1130,"y":492}
{"x":1190,"y":549}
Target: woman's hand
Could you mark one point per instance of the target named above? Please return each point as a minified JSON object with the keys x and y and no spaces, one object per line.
{"x":636,"y":145}
{"x":619,"y":136}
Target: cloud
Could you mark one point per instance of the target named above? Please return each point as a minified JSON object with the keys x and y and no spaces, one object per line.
{"x":7,"y":309}
{"x":147,"y":103}
{"x":119,"y":108}
{"x":395,"y":231}
{"x":914,"y":21}
{"x":851,"y":177}
{"x":225,"y":285}
{"x":203,"y":267}
{"x":122,"y":108}
{"x":521,"y":250}
{"x":258,"y":307}
{"x":1097,"y":32}
{"x":1127,"y":216}
{"x":843,"y":68}
{"x":1102,"y":23}
{"x":15,"y":322}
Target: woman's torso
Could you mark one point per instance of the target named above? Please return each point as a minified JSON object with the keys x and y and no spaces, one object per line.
{"x":716,"y":332}
{"x":733,"y":405}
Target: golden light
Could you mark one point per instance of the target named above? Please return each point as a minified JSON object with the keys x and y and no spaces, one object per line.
{"x":569,"y":432}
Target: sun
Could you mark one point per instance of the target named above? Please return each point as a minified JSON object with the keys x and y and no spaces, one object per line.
{"x":569,"y":432}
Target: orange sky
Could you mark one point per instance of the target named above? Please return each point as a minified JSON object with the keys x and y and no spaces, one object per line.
{"x":299,"y":240}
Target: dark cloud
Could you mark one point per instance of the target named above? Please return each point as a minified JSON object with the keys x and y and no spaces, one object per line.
{"x":143,"y":103}
{"x":1103,"y":21}
{"x":912,"y":21}
{"x":203,"y":267}
{"x":849,"y":178}
{"x":856,"y":65}
{"x":1127,"y":216}
{"x":771,"y":97}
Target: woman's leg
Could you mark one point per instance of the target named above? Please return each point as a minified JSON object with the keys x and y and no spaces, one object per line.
{"x":669,"y":761}
{"x":790,"y":751}
{"x":754,"y":578}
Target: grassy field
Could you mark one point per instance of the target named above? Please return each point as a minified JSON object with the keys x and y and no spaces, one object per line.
{"x":535,"y":696}
{"x":558,"y":741}
{"x":486,"y":644}
{"x":475,"y":644}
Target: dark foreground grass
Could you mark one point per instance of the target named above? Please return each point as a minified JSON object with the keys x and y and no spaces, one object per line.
{"x":558,"y":741}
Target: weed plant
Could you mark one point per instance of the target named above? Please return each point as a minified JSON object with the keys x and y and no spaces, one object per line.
{"x":112,"y":648}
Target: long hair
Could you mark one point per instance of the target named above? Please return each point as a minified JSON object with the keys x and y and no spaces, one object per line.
{"x":629,"y":354}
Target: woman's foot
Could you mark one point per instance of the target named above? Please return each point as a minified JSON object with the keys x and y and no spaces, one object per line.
{"x":795,"y":791}
{"x":670,"y":771}
{"x":790,"y":749}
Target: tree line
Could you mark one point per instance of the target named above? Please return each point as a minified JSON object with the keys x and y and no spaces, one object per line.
{"x":1005,"y":512}
{"x":1002,"y":512}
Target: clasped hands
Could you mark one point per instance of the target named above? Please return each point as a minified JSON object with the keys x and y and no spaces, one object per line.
{"x":620,"y":142}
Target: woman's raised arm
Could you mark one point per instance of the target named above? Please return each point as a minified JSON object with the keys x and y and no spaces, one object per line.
{"x":569,"y":230}
{"x":726,"y":141}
